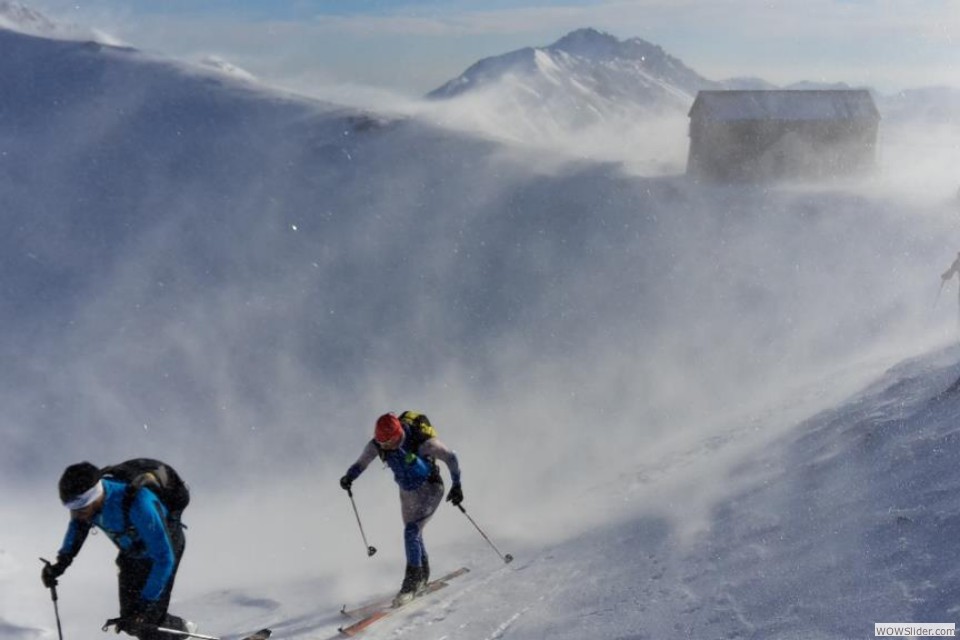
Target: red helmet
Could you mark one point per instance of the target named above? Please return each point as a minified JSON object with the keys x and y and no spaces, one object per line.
{"x":389,"y":431}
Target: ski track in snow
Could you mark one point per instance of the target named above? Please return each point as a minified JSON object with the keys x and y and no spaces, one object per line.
{"x":436,"y":610}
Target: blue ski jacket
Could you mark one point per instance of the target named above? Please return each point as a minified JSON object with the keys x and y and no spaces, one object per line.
{"x":144,"y":536}
{"x":413,"y":463}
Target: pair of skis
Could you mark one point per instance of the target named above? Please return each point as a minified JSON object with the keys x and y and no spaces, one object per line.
{"x":368,"y":614}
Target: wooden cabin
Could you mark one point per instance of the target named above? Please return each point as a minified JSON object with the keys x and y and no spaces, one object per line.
{"x":782,"y":134}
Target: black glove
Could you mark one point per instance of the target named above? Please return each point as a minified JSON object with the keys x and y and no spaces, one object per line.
{"x":346,"y":482}
{"x":456,"y":495}
{"x":51,"y":572}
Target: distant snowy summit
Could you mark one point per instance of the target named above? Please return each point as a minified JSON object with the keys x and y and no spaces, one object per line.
{"x":586,"y":70}
{"x":22,"y":19}
{"x":17,"y":17}
{"x":596,"y":73}
{"x":588,"y":94}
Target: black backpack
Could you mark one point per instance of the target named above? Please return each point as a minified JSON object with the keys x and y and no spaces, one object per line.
{"x":157,"y":476}
{"x":419,"y":423}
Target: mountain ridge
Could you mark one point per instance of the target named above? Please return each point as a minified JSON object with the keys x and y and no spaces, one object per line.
{"x":598,"y":59}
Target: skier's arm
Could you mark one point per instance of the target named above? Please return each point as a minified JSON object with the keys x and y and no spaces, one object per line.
{"x":73,"y":540}
{"x":434,"y":448}
{"x":368,"y":455}
{"x":148,"y":516}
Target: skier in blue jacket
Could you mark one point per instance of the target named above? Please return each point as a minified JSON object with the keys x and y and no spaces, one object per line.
{"x":408,"y":444}
{"x":150,"y":542}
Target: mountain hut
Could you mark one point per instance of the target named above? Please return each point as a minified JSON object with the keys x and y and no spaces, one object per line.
{"x":782,"y":134}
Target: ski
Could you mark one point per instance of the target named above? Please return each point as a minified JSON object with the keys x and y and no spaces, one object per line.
{"x":263,"y":634}
{"x":371,"y":613}
{"x":365,"y":610}
{"x":388,"y":609}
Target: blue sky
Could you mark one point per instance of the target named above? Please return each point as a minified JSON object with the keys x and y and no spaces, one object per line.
{"x":413,"y":47}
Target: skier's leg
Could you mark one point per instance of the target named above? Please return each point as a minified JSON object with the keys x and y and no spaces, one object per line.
{"x":413,"y":543}
{"x":179,"y":543}
{"x":417,"y":507}
{"x":131,"y":577}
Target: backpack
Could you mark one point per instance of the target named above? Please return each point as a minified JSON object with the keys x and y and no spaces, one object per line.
{"x":419,"y":424}
{"x":157,"y":476}
{"x":418,"y":429}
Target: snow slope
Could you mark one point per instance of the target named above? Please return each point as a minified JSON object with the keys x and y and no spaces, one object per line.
{"x":658,"y":389}
{"x":821,"y":529}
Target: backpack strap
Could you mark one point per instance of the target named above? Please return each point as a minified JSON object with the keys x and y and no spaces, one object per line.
{"x":418,"y":429}
{"x":130,"y":492}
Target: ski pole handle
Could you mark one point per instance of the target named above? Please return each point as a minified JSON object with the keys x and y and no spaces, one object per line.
{"x":53,"y":587}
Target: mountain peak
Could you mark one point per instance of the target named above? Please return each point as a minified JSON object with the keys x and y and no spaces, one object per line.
{"x":16,"y":17}
{"x":587,"y":42}
{"x":586,"y":58}
{"x":591,"y":44}
{"x":21,"y":19}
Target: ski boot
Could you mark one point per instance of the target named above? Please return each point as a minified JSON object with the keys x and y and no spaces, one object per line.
{"x":410,"y":586}
{"x":425,"y":574}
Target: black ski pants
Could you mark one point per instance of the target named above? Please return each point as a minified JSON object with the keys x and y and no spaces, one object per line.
{"x":133,"y":576}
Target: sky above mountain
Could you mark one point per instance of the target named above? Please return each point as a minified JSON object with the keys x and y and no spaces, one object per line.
{"x":414,"y":47}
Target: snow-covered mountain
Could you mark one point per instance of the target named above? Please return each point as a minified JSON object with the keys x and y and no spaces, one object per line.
{"x":589,"y":76}
{"x":20,"y":18}
{"x":17,"y":17}
{"x":925,"y":105}
{"x":588,"y":94}
{"x":594,"y":96}
{"x":668,"y":398}
{"x":593,"y":71}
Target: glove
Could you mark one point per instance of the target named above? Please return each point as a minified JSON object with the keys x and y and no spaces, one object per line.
{"x":346,"y":482}
{"x":51,"y":572}
{"x":456,"y":495}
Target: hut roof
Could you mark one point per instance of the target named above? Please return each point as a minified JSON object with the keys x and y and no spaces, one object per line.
{"x":787,"y":104}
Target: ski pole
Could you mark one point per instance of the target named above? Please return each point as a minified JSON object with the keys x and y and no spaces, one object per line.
{"x":506,"y":558}
{"x":186,"y":634}
{"x":53,"y":596}
{"x":370,"y":549}
{"x":263,"y":634}
{"x":939,"y":291}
